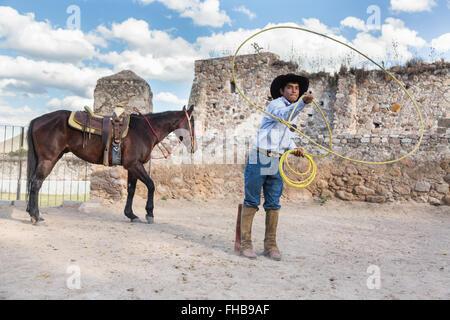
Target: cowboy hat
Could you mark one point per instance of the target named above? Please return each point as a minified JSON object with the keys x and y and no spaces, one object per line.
{"x":281,"y":81}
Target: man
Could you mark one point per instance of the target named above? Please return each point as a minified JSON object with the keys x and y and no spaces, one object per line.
{"x":261,"y":171}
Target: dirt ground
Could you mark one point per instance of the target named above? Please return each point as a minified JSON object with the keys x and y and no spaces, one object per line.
{"x":338,"y":250}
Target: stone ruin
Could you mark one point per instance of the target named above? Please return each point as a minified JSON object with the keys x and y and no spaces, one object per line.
{"x":370,"y":118}
{"x":122,"y":86}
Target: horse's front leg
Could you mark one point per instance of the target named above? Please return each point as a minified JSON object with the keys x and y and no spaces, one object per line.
{"x":131,"y":188}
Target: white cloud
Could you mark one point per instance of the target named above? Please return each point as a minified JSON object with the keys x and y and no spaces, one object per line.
{"x":138,"y":35}
{"x":39,"y":39}
{"x":244,"y":10}
{"x":358,"y":24}
{"x":442,"y":43}
{"x":79,"y":80}
{"x":355,"y":23}
{"x":169,"y":98}
{"x":73,"y":103}
{"x":412,"y":5}
{"x":393,"y":43}
{"x":16,"y":116}
{"x":203,"y":13}
{"x":153,"y":54}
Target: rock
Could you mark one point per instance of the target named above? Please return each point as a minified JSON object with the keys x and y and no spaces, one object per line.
{"x":339,"y":182}
{"x":376,"y":199}
{"x":395,"y":108}
{"x":407,"y":162}
{"x":362,"y":190}
{"x":441,"y":187}
{"x":326,"y":194}
{"x":218,"y":181}
{"x":351,"y":170}
{"x":114,"y":173}
{"x":177,"y":181}
{"x":375,"y":140}
{"x":355,"y":180}
{"x":381,"y":190}
{"x":447,"y":178}
{"x":121,"y":182}
{"x":337,"y":171}
{"x":401,"y":189}
{"x":162,"y":189}
{"x":422,"y":186}
{"x":395,"y":172}
{"x":322,"y":184}
{"x":434,"y":201}
{"x":344,"y":195}
{"x":446,"y":200}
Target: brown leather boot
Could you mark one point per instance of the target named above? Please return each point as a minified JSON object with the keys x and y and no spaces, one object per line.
{"x":270,"y":242}
{"x":246,"y":248}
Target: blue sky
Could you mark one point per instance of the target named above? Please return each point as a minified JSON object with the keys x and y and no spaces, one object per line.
{"x":46,"y":64}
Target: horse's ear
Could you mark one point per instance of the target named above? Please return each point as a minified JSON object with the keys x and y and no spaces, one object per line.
{"x":191,"y":109}
{"x":184,"y":108}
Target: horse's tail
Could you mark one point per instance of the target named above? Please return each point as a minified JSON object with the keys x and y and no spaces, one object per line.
{"x":32,"y":160}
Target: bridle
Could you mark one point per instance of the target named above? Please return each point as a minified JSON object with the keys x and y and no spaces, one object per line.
{"x":191,"y":132}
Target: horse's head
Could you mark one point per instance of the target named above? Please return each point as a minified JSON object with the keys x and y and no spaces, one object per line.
{"x":186,"y":131}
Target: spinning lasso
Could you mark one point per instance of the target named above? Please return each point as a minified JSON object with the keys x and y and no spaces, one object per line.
{"x":312,"y":166}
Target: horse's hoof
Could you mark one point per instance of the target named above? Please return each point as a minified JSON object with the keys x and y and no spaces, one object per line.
{"x":150,"y":219}
{"x":35,"y":221}
{"x":136,"y":220}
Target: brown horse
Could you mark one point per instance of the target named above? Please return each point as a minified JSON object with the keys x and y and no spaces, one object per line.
{"x":49,"y":137}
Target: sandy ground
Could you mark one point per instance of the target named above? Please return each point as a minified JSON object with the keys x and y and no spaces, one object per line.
{"x":188,"y":253}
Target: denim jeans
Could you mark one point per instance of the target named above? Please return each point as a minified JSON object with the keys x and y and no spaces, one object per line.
{"x":261,"y":172}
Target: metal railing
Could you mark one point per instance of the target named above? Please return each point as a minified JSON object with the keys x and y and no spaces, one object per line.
{"x":69,"y":179}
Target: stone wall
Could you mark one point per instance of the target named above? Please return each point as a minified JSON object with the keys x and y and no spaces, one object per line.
{"x":354,"y":101}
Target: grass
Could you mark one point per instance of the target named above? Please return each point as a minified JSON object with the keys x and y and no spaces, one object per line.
{"x":48,"y":200}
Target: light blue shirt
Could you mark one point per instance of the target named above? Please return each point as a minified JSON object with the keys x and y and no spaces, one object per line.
{"x":272,"y":134}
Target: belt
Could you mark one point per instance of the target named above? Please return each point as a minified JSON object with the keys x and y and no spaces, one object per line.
{"x":269,"y":153}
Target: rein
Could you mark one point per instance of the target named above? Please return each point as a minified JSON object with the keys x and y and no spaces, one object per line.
{"x":179,"y":141}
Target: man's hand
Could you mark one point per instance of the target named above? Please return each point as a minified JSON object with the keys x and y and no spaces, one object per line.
{"x":307,"y":98}
{"x":299,"y":152}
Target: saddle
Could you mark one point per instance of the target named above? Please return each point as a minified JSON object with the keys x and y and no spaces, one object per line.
{"x":112,"y":129}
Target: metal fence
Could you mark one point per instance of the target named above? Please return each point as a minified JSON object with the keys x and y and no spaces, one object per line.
{"x":69,"y":179}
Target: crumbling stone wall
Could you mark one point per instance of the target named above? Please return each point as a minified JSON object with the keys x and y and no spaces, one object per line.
{"x":122,"y":86}
{"x":354,"y":101}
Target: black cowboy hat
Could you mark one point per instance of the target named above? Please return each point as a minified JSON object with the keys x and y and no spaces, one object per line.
{"x":281,"y":81}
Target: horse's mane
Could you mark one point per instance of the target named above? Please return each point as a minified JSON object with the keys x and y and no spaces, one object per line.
{"x":154,"y":116}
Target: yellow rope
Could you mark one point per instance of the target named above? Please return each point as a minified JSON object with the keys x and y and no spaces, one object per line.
{"x":312,"y":166}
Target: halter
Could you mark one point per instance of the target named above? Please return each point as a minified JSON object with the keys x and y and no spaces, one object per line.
{"x":191,"y":132}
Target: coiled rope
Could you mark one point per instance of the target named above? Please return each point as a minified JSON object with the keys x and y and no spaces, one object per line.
{"x":312,"y":167}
